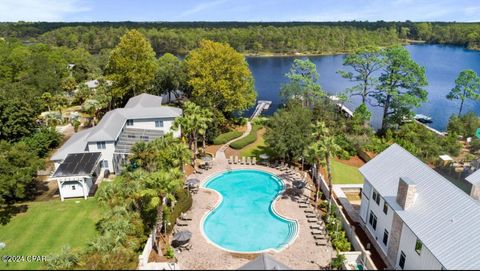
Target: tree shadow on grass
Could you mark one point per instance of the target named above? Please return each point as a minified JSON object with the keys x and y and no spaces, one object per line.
{"x":9,"y":211}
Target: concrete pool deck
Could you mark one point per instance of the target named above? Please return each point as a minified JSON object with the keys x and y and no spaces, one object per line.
{"x":301,"y":254}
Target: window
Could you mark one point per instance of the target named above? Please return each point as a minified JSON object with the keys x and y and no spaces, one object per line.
{"x":385,"y":208}
{"x":104,"y":164}
{"x":401,"y":263}
{"x":376,"y":197}
{"x":373,"y":220}
{"x":385,"y":237}
{"x":159,"y":123}
{"x":129,"y":122}
{"x":418,"y":246}
{"x":73,"y":187}
{"x":101,"y":145}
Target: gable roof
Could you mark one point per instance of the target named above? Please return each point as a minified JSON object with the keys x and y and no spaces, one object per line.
{"x":75,"y":144}
{"x":144,"y":100}
{"x":474,"y":178}
{"x":443,"y":217}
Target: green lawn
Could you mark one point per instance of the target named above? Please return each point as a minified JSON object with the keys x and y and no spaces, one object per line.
{"x":48,"y":226}
{"x":254,"y":149}
{"x":345,"y":174}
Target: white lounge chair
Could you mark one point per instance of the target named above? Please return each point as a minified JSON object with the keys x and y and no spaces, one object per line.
{"x":235,"y":161}
{"x":249,"y":160}
{"x":243,"y":161}
{"x":230,"y":160}
{"x":254,"y":160}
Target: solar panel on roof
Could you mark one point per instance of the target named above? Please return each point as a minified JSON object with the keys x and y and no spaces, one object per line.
{"x":78,"y":164}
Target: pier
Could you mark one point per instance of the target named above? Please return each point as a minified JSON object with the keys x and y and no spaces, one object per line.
{"x":261,"y":106}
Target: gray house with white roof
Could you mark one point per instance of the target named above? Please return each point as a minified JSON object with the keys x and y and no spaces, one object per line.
{"x":419,"y":219}
{"x":142,"y":119}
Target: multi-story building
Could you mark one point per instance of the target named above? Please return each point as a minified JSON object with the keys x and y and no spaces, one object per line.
{"x":106,"y":146}
{"x":417,"y":218}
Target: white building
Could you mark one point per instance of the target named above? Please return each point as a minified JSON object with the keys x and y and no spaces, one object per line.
{"x":142,"y":119}
{"x":419,"y":219}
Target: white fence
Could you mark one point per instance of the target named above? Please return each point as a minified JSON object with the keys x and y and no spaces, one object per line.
{"x":357,"y":245}
{"x":143,"y":258}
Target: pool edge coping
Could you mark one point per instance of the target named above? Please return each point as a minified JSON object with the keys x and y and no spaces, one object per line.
{"x":210,"y":177}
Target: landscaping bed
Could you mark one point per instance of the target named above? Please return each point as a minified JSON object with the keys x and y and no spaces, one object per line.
{"x":249,"y":139}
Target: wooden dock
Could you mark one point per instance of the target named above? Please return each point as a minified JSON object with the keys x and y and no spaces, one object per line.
{"x":343,"y":108}
{"x":261,"y":106}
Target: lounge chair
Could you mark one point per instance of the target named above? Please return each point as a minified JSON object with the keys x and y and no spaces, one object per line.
{"x":321,"y":243}
{"x":235,"y":161}
{"x":316,"y":237}
{"x":311,"y":216}
{"x":181,"y":223}
{"x":303,"y":206}
{"x":316,"y":227}
{"x":254,"y":160}
{"x":316,"y":233}
{"x":308,"y":211}
{"x":185,"y":217}
{"x":312,"y":220}
{"x":230,"y":160}
{"x":243,"y":161}
{"x":249,"y":160}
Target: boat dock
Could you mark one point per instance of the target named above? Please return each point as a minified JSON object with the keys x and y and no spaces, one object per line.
{"x":261,"y":106}
{"x":348,"y":113}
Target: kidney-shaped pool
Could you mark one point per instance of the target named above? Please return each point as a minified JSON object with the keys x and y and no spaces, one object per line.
{"x":245,"y":220}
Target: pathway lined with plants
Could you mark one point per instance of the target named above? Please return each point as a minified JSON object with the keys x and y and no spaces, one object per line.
{"x":220,"y":155}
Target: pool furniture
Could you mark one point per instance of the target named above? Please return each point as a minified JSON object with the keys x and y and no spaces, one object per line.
{"x":316,"y":233}
{"x":303,"y":206}
{"x":185,"y":217}
{"x":249,"y":160}
{"x":312,"y":220}
{"x":311,"y":216}
{"x":243,"y":161}
{"x":254,"y":160}
{"x":316,"y":237}
{"x":181,"y":223}
{"x":235,"y":161}
{"x":308,"y":211}
{"x":230,"y":160}
{"x":316,"y":227}
{"x":321,"y":243}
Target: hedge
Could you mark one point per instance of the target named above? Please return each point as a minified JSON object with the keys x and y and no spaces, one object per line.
{"x":249,"y":139}
{"x":224,"y":138}
{"x":183,"y":204}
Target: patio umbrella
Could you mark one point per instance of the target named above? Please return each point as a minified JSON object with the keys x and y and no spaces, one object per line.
{"x":207,"y":159}
{"x":192,"y":182}
{"x":264,"y":156}
{"x":298,"y":184}
{"x":181,"y":238}
{"x":264,"y":262}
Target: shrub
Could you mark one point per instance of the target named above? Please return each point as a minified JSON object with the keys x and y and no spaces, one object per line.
{"x":183,"y":204}
{"x":224,"y":138}
{"x":249,"y":139}
{"x":170,"y":253}
{"x":43,"y":140}
{"x":337,"y":262}
{"x":475,"y":145}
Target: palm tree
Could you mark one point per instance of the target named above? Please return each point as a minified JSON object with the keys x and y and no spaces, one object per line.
{"x":322,"y":150}
{"x":193,"y":123}
{"x":207,"y":118}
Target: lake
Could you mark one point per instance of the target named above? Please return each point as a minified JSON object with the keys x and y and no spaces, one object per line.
{"x":443,"y":63}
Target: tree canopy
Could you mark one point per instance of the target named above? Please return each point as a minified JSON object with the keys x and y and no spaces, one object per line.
{"x":467,"y":86}
{"x":220,"y":78}
{"x":132,"y":65}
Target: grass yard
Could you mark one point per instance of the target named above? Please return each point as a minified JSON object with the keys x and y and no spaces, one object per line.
{"x":345,"y":174}
{"x":48,"y":226}
{"x":256,"y":148}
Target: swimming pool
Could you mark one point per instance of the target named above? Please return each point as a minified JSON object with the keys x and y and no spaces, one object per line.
{"x":245,"y":220}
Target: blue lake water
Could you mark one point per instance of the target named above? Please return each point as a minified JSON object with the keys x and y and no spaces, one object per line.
{"x":443,"y":63}
{"x":245,"y":220}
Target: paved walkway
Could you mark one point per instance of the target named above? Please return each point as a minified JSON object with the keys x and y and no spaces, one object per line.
{"x":220,"y":155}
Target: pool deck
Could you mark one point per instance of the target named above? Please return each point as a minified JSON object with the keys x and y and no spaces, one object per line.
{"x":301,"y":254}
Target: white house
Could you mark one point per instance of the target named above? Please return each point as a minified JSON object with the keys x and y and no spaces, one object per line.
{"x":418,"y":219}
{"x":142,"y":119}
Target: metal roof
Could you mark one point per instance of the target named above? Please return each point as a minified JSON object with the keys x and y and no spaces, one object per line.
{"x":264,"y":262}
{"x":75,"y":144}
{"x":78,"y":164}
{"x":443,"y":217}
{"x":112,"y":123}
{"x":474,"y":178}
{"x":144,"y":100}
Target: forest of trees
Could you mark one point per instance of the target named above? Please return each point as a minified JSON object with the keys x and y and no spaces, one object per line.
{"x":250,"y":38}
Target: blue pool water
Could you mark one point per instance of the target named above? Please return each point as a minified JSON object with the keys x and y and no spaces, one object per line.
{"x":244,"y":221}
